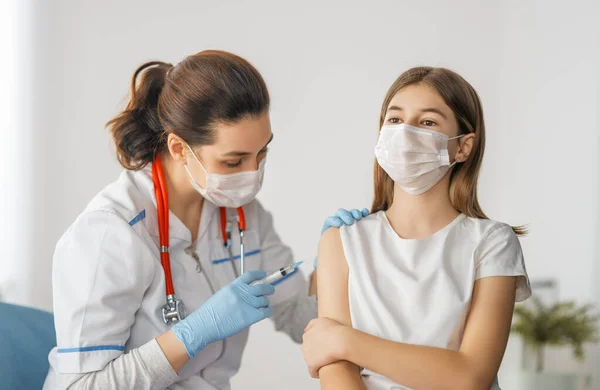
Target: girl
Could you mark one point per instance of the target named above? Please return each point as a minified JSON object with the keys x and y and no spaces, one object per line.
{"x":420,"y":294}
{"x":193,"y":141}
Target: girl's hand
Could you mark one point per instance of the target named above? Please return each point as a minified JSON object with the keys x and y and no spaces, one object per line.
{"x":323,"y":343}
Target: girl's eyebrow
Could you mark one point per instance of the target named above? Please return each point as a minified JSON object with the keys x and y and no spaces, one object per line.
{"x":432,"y":109}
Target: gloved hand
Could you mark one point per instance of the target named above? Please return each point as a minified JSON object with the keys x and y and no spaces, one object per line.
{"x":231,"y":310}
{"x":344,"y":217}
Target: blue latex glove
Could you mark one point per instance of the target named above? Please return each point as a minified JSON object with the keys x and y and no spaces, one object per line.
{"x":344,"y":217}
{"x":231,"y":310}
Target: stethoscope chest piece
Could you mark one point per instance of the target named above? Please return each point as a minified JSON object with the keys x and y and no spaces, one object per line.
{"x":173,"y":311}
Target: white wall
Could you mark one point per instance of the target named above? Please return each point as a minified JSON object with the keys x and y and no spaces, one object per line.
{"x":8,"y":118}
{"x":328,"y":65}
{"x":16,"y":194}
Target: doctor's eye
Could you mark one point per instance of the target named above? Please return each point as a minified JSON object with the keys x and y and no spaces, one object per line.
{"x":429,"y":123}
{"x":393,"y":120}
{"x":234,"y":165}
{"x":263,"y":151}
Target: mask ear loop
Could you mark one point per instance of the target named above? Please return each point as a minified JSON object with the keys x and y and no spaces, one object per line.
{"x":197,"y":159}
{"x":453,"y":138}
{"x":457,"y":137}
{"x":194,"y":182}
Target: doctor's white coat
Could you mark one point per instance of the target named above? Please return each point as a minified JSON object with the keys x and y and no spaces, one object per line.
{"x":109,"y":285}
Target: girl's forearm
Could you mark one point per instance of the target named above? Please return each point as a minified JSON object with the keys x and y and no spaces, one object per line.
{"x":341,"y":375}
{"x":417,"y":367}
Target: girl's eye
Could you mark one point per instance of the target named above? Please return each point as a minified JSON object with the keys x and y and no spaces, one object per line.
{"x":264,"y":151}
{"x":429,"y":123}
{"x":234,"y":165}
{"x":394,"y":120}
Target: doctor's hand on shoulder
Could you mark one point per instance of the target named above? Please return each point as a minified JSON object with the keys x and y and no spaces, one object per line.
{"x":344,"y":217}
{"x":340,"y":218}
{"x":229,"y":311}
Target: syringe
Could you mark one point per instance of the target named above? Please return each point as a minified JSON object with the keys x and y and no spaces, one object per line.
{"x":277,"y":275}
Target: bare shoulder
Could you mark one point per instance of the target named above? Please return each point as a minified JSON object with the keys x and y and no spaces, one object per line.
{"x":331,"y":238}
{"x":332,"y":276}
{"x":331,"y":251}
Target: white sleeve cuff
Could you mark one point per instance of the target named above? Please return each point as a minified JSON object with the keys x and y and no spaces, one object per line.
{"x":523,"y":287}
{"x":86,"y":359}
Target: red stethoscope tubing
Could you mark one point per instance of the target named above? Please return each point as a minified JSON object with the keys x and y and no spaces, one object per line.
{"x":162,"y":206}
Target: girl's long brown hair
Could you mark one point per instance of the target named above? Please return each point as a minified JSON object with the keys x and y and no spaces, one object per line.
{"x":460,"y":96}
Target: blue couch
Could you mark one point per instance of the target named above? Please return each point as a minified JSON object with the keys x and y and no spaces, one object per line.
{"x":26,"y":337}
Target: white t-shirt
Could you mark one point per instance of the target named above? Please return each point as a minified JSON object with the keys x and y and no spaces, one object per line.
{"x":419,"y":291}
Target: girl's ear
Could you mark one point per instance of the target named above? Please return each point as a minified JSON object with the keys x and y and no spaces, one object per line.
{"x":465,"y":145}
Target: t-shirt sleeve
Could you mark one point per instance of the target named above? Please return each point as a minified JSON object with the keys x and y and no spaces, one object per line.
{"x":500,"y":254}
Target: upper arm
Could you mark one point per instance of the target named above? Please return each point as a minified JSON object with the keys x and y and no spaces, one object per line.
{"x":501,"y":280}
{"x":99,"y":280}
{"x":333,"y":303}
{"x":332,"y":278}
{"x":488,"y":325}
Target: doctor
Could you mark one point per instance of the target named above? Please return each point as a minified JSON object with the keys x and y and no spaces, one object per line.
{"x":193,"y":140}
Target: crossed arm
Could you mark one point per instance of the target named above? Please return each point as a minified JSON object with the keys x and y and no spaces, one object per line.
{"x":335,"y":351}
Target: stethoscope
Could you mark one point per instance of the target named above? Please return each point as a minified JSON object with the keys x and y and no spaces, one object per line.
{"x":174,"y":309}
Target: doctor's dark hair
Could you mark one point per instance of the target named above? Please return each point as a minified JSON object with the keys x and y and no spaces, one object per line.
{"x":187,"y":100}
{"x":464,"y":102}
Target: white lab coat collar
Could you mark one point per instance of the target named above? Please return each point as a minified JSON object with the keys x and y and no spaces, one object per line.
{"x":179,"y":234}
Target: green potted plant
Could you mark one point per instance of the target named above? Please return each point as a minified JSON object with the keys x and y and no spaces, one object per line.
{"x":560,"y":324}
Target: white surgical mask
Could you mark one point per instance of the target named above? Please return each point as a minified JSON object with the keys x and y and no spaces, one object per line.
{"x":416,"y":159}
{"x":232,"y":190}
